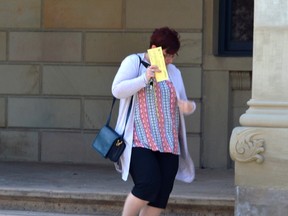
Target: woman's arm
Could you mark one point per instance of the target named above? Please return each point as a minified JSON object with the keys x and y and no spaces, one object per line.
{"x":128,"y":79}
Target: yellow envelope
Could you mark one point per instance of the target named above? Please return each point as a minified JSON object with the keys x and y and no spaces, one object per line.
{"x":156,"y":58}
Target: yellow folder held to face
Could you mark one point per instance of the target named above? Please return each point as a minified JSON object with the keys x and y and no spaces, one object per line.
{"x":156,"y":58}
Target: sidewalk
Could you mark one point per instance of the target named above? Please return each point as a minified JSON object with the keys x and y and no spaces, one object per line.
{"x":103,"y":182}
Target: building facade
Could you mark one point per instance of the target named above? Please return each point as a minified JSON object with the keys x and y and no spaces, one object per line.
{"x":58,"y":59}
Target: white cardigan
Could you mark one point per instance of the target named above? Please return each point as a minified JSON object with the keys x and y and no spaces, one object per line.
{"x":129,"y":79}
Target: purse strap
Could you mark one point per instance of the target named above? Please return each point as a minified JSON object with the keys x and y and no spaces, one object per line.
{"x":128,"y":114}
{"x":109,"y":117}
{"x":130,"y":105}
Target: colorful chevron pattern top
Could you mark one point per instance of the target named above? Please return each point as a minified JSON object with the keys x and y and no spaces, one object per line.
{"x":156,"y":123}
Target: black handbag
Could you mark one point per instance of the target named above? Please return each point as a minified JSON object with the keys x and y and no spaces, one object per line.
{"x":108,"y":142}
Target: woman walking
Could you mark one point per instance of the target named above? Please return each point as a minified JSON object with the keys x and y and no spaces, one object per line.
{"x":156,"y":147}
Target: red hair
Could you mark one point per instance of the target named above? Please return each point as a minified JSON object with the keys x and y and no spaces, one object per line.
{"x":167,"y":38}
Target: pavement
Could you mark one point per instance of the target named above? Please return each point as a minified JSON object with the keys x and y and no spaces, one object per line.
{"x":210,"y":186}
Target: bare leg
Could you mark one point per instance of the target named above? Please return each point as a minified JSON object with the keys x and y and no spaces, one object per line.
{"x":133,"y":205}
{"x":150,"y":211}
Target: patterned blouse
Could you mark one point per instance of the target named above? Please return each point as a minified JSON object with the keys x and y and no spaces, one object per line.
{"x":156,"y":123}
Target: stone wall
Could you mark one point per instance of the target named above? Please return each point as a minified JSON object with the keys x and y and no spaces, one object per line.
{"x":57,"y":62}
{"x":226,"y":89}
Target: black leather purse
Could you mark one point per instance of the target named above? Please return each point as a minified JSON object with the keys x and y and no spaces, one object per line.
{"x":108,"y":142}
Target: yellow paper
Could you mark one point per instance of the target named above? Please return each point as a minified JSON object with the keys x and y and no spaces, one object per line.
{"x":156,"y":58}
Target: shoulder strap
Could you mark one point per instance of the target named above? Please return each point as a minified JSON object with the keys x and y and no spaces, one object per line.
{"x":109,"y":117}
{"x":128,"y":113}
{"x":145,"y":65}
{"x":143,"y":62}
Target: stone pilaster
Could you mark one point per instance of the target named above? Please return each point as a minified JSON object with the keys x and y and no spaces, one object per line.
{"x":259,"y":148}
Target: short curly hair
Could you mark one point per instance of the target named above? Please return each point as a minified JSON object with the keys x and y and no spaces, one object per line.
{"x":167,"y":38}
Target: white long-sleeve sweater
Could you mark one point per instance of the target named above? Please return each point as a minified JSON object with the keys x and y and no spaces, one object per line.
{"x":129,"y":79}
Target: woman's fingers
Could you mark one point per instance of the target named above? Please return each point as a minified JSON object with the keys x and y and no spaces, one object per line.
{"x":150,"y":73}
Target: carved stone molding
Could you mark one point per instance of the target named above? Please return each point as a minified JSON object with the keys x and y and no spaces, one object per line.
{"x":265,"y":113}
{"x":241,"y":80}
{"x":247,"y":145}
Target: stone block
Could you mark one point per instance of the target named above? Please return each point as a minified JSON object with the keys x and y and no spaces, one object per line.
{"x":116,"y":46}
{"x":2,"y":112}
{"x":45,"y":46}
{"x":193,"y":121}
{"x":255,"y":201}
{"x":215,"y":116}
{"x":239,"y":104}
{"x":268,"y":55}
{"x":2,"y":46}
{"x":113,"y":46}
{"x":18,"y":146}
{"x":191,"y":49}
{"x":84,"y":14}
{"x":192,"y":78}
{"x":96,"y":113}
{"x":44,"y":112}
{"x":19,"y":79}
{"x":78,"y":80}
{"x":153,"y":14}
{"x":240,"y":98}
{"x":194,"y":143}
{"x":69,"y":148}
{"x":236,"y":114}
{"x":20,"y":14}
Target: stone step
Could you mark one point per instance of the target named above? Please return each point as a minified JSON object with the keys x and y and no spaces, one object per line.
{"x":30,"y":213}
{"x":92,"y":190}
{"x":60,"y":202}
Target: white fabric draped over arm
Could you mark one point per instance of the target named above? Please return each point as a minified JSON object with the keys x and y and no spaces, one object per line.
{"x":128,"y":79}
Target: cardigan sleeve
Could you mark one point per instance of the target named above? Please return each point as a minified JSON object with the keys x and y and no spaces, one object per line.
{"x":128,"y":79}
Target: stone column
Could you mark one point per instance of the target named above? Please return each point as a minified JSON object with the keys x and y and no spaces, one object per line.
{"x":260,"y":146}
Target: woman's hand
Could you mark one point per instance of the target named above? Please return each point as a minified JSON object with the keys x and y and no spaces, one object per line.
{"x":186,"y":107}
{"x":150,"y":72}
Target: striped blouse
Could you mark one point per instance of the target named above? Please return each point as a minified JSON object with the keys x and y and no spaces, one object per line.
{"x":156,"y":123}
